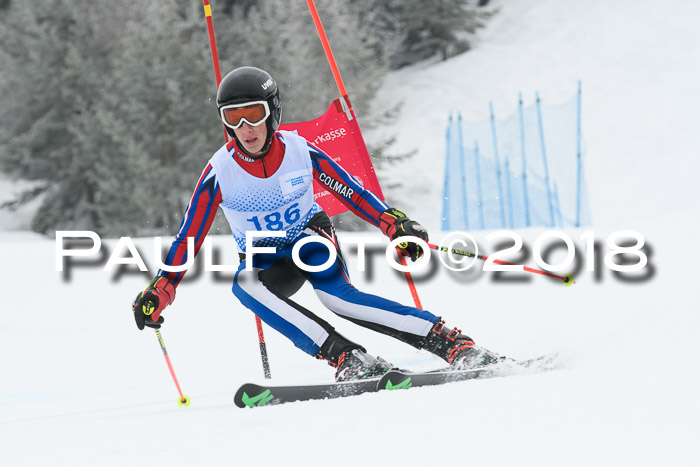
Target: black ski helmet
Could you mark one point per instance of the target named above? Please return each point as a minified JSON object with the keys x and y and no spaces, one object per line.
{"x":247,"y":84}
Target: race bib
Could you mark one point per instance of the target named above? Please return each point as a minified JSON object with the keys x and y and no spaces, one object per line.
{"x":294,"y":184}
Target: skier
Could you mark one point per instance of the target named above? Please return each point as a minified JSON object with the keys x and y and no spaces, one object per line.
{"x":262,"y":179}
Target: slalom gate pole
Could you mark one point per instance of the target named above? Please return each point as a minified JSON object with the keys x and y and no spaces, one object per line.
{"x":217,"y":74}
{"x":409,"y":280}
{"x":329,"y":53}
{"x":566,"y":279}
{"x":214,"y":53}
{"x":183,"y":401}
{"x":344,"y":94}
{"x":263,"y":349}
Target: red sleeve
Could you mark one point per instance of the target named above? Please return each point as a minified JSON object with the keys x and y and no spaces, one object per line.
{"x":199,"y":215}
{"x":364,"y":203}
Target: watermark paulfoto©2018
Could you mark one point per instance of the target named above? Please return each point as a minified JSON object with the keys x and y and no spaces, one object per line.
{"x":462,"y":250}
{"x":135,"y":257}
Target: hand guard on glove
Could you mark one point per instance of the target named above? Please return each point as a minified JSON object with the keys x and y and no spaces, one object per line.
{"x":395,"y":223}
{"x":150,"y":303}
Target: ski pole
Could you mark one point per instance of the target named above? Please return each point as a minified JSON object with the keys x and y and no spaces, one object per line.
{"x":217,"y":76}
{"x":566,"y":279}
{"x":183,"y":401}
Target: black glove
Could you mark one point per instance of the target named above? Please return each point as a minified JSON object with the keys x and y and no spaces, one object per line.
{"x":395,"y":223}
{"x":150,"y":303}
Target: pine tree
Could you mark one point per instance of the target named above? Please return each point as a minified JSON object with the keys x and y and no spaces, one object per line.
{"x":56,"y":54}
{"x":108,"y":112}
{"x":161,"y":110}
{"x":279,"y":36}
{"x":443,"y":27}
{"x":109,"y":108}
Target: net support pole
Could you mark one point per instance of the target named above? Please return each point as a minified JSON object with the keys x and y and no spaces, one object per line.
{"x":462,"y":173}
{"x":509,"y":195}
{"x":446,"y":187}
{"x":544,"y":160}
{"x":501,"y":197}
{"x":578,"y":156}
{"x":526,"y":201}
{"x":479,"y":188}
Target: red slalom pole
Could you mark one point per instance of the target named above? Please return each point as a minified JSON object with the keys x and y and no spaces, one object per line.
{"x":344,"y":94}
{"x":329,"y":53}
{"x":183,"y":401}
{"x":411,"y":284}
{"x":263,"y":349}
{"x":567,"y":279}
{"x":214,"y":52}
{"x":217,"y":75}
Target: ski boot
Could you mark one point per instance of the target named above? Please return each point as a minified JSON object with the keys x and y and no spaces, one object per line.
{"x":355,"y":364}
{"x":457,"y":349}
{"x":350,"y":360}
{"x":475,"y":357}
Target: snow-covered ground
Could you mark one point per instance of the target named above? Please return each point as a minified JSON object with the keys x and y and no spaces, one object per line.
{"x":82,"y":386}
{"x":637,"y":62}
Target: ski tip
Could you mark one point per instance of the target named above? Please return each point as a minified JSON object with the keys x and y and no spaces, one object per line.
{"x":238,"y":401}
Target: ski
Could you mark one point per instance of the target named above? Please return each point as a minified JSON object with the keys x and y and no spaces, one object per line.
{"x":405,"y":379}
{"x":254,"y":395}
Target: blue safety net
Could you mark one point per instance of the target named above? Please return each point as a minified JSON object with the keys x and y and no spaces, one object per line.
{"x":521,"y":171}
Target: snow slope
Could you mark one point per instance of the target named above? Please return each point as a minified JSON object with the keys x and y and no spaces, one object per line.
{"x":81,"y":386}
{"x":638,"y":65}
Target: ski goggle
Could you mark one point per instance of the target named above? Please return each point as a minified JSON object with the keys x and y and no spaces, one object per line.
{"x":253,"y":113}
